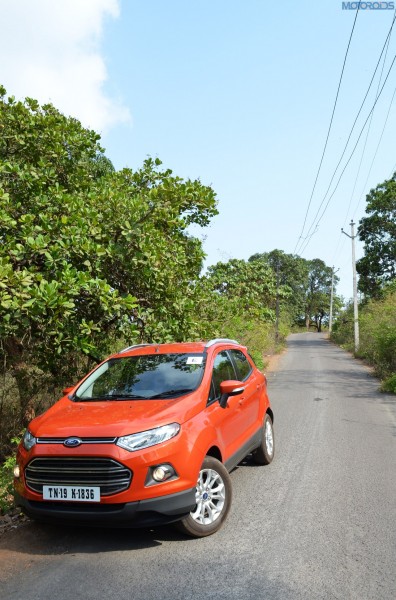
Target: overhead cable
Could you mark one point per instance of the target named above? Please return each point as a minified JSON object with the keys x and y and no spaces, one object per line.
{"x":329,"y":129}
{"x":316,"y":224}
{"x":366,"y":139}
{"x":375,"y":154}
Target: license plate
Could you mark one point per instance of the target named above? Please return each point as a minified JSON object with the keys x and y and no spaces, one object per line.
{"x":70,"y":493}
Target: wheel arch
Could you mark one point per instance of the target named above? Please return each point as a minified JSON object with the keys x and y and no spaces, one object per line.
{"x":214,"y":452}
{"x":270,"y":413}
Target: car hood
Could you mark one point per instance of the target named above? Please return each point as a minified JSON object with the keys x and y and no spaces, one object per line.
{"x":112,"y":418}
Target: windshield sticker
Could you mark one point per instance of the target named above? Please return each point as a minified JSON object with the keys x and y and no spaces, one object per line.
{"x":194,"y":360}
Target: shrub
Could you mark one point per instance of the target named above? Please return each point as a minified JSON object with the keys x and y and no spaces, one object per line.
{"x":6,"y":481}
{"x":378,"y":334}
{"x":377,"y":326}
{"x":389,"y":385}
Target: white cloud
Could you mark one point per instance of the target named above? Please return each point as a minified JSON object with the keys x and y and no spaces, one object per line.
{"x":50,"y":50}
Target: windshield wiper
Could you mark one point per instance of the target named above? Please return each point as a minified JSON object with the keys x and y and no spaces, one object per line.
{"x":172,"y":393}
{"x":110,"y":397}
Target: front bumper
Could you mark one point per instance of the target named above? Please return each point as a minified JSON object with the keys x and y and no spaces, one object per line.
{"x":153,"y":511}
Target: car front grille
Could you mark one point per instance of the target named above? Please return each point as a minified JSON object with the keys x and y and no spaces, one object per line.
{"x":111,"y":476}
{"x":83,"y":440}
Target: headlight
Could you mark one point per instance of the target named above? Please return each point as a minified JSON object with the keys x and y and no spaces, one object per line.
{"x":28,"y":440}
{"x":137,"y":441}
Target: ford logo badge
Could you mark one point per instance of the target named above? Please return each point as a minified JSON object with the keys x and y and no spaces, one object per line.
{"x":72,"y":442}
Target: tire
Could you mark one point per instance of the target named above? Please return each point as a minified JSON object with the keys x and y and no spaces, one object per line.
{"x":265,"y":452}
{"x":213,"y":494}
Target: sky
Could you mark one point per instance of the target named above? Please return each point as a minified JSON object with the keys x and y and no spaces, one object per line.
{"x":236,"y":94}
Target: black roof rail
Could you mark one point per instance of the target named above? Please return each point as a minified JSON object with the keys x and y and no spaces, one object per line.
{"x":220,"y":341}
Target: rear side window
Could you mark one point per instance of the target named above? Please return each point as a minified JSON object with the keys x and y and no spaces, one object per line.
{"x":242,"y":364}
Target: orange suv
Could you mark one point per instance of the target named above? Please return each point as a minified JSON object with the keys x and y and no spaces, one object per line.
{"x":148,"y":437}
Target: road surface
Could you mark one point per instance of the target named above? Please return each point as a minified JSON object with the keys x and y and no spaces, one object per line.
{"x":319,"y":522}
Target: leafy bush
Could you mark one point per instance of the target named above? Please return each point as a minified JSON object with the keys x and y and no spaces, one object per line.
{"x":389,"y":385}
{"x":87,"y":255}
{"x":90,"y":256}
{"x":377,"y":327}
{"x":342,"y":333}
{"x":6,"y":481}
{"x":378,"y":334}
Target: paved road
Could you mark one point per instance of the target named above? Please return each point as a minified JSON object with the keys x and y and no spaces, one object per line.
{"x":319,"y":522}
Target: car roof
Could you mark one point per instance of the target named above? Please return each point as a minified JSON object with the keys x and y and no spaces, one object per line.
{"x":176,"y":347}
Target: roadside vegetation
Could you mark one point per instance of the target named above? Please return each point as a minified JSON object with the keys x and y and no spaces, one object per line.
{"x":6,"y":480}
{"x":377,"y":283}
{"x":377,"y":328}
{"x":93,"y":259}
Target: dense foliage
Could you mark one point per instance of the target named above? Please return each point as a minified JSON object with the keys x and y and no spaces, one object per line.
{"x":88,"y":254}
{"x":93,"y":259}
{"x":377,"y":270}
{"x":377,"y":324}
{"x":236,"y":299}
{"x":378,"y":232}
{"x":304,"y":287}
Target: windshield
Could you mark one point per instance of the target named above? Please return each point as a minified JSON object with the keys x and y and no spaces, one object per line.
{"x":146,"y":376}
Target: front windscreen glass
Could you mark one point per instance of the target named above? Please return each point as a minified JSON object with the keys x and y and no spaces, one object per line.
{"x":148,"y":376}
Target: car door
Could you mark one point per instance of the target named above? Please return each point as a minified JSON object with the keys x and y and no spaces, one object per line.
{"x":231,"y":421}
{"x":250,"y":399}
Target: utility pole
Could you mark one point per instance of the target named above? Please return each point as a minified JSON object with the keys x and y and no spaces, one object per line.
{"x":331,"y":299}
{"x":355,"y":302}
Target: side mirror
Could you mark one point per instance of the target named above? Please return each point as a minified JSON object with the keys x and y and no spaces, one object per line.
{"x":67,"y":390}
{"x":231,"y":387}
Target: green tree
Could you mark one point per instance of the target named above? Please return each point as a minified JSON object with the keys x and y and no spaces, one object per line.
{"x":291,"y":276}
{"x":147,"y":215}
{"x":317,"y":294}
{"x":87,"y":254}
{"x":235,"y":299}
{"x":250,"y":286}
{"x":303,"y":287}
{"x":378,"y":232}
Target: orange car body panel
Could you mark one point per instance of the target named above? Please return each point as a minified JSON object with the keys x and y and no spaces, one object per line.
{"x":203,"y":427}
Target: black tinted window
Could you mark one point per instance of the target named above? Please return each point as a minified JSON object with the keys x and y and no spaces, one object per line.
{"x":222,"y":370}
{"x":145,"y":376}
{"x":242,"y":364}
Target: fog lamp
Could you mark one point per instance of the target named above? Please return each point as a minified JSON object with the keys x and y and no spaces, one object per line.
{"x":17,"y":472}
{"x":162,"y":473}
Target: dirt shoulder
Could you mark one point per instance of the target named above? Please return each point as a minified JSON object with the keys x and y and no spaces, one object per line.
{"x":272,"y":361}
{"x":12,"y":520}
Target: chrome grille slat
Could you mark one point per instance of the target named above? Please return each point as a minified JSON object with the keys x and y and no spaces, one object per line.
{"x":70,"y":470}
{"x":84,"y":440}
{"x":77,"y":482}
{"x":111,"y":476}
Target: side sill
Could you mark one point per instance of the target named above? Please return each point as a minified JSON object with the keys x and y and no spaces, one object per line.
{"x":253,"y":443}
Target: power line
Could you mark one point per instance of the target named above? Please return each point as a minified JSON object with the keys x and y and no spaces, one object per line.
{"x":375,"y":153}
{"x":367,"y":136}
{"x":309,"y":234}
{"x":328,"y":131}
{"x":341,"y":238}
